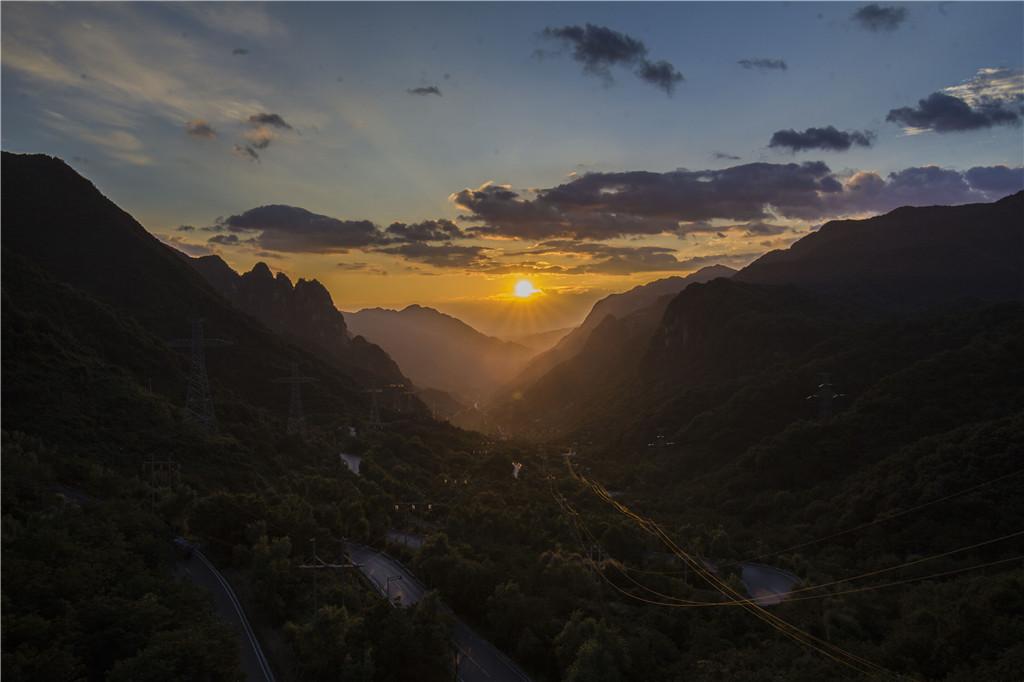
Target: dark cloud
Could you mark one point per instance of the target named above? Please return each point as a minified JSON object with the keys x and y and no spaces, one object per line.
{"x":245,"y":152}
{"x":225,"y":240}
{"x":997,"y":181}
{"x":267,"y":119}
{"x":602,"y":206}
{"x":291,"y":229}
{"x":760,"y":229}
{"x":945,"y":113}
{"x":651,"y":259}
{"x":608,"y":205}
{"x":425,"y":90}
{"x":362,"y":267}
{"x":240,"y":51}
{"x":599,"y":48}
{"x":187,"y":247}
{"x":200,"y":128}
{"x":426,"y":231}
{"x":440,"y":256}
{"x":875,"y":17}
{"x":186,"y":228}
{"x":722,"y":156}
{"x":763,"y":64}
{"x":868,"y":192}
{"x":827,"y":138}
{"x":660,"y":74}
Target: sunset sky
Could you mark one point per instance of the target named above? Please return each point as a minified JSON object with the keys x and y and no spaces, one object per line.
{"x":437,"y":154}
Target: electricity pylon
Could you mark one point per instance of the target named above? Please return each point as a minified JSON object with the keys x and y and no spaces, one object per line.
{"x":374,"y":407}
{"x":198,"y":403}
{"x":824,"y":395}
{"x":296,"y":418}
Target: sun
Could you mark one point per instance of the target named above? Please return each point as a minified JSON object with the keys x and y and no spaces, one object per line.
{"x":525,"y":289}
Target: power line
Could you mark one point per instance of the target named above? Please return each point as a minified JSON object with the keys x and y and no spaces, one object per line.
{"x":831,"y":651}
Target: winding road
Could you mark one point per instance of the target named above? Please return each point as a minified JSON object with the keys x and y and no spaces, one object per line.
{"x":478,"y":660}
{"x":200,"y":571}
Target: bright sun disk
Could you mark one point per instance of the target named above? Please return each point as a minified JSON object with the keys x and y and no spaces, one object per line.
{"x":524,"y":289}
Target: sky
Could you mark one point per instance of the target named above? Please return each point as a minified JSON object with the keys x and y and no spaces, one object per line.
{"x":439,"y":153}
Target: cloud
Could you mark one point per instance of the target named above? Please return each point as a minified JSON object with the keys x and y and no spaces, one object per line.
{"x":875,"y":17}
{"x":625,"y":260}
{"x":603,"y":206}
{"x":225,"y":240}
{"x":267,"y":119}
{"x":200,"y":128}
{"x":262,"y":131}
{"x":260,"y":137}
{"x":362,"y":267}
{"x":245,"y":152}
{"x":722,"y":156}
{"x":599,"y":48}
{"x":291,"y":229}
{"x":240,"y":51}
{"x":660,"y":74}
{"x":185,"y":228}
{"x":763,"y":64}
{"x":186,"y":247}
{"x":760,"y":229}
{"x":827,"y":138}
{"x":425,"y":90}
{"x":608,"y":205}
{"x":991,"y":97}
{"x":996,"y":181}
{"x":944,"y":113}
{"x":426,"y":231}
{"x":440,"y":256}
{"x":990,"y":86}
{"x":868,"y":192}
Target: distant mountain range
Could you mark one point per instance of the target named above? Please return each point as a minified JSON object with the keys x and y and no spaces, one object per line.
{"x":614,"y":306}
{"x":303,"y":313}
{"x":439,"y":351}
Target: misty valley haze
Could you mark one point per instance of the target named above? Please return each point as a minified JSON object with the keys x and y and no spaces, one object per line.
{"x":583,"y":342}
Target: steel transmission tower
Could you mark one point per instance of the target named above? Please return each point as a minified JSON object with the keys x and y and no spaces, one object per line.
{"x":825,"y":395}
{"x":296,"y":418}
{"x":374,"y":407}
{"x":198,"y":403}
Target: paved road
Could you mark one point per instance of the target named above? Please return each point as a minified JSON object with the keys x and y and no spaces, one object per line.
{"x":479,"y":660}
{"x":201,"y":572}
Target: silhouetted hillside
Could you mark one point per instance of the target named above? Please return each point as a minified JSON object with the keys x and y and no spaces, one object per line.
{"x":440,"y":351}
{"x":303,"y":313}
{"x":56,"y":223}
{"x":910,"y":257}
{"x":614,"y":305}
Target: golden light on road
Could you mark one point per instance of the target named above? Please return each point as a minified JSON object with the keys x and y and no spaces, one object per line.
{"x":525,"y":289}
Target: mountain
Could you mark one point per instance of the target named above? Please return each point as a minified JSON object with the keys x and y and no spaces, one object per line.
{"x":614,"y":305}
{"x":303,"y":313}
{"x":67,"y":249}
{"x":439,"y":351}
{"x":909,"y":258}
{"x":540,"y":341}
{"x":642,"y":378}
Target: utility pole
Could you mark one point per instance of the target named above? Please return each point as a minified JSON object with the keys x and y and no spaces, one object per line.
{"x":198,"y":403}
{"x":296,"y":418}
